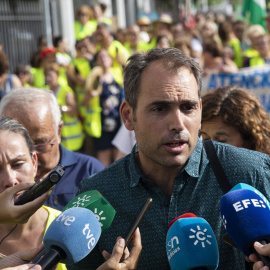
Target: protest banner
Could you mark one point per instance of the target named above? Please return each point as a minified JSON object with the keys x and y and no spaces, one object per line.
{"x":255,"y":79}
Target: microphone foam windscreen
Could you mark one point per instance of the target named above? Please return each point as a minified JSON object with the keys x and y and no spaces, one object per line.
{"x":191,"y":243}
{"x":246,"y":218}
{"x":246,"y":186}
{"x":76,"y":231}
{"x":94,"y":201}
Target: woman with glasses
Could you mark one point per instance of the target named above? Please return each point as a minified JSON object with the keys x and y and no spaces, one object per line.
{"x":18,"y":164}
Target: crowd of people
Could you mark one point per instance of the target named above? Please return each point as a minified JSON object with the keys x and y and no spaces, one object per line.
{"x":125,"y":116}
{"x":89,"y":86}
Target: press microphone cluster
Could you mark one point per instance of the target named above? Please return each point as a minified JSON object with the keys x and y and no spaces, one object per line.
{"x":246,"y":217}
{"x":191,"y":244}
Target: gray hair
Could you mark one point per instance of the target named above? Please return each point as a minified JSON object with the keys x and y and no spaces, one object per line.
{"x":12,"y":125}
{"x":28,"y":96}
{"x":172,"y":59}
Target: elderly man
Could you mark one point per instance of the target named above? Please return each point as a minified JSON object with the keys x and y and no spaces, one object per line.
{"x":169,"y":162}
{"x":39,"y":112}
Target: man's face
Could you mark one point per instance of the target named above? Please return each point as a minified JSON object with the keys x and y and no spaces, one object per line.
{"x":167,"y":118}
{"x":39,"y":123}
{"x":133,"y":35}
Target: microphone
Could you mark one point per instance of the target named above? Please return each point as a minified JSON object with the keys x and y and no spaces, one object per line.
{"x":191,"y":244}
{"x":246,"y":218}
{"x":96,"y":202}
{"x":70,"y":238}
{"x":246,"y":186}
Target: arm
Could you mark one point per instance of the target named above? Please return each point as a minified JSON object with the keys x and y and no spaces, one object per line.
{"x":89,"y":85}
{"x":24,"y":267}
{"x":11,"y":213}
{"x":16,"y":81}
{"x":71,"y":104}
{"x":20,"y":258}
{"x":130,"y":260}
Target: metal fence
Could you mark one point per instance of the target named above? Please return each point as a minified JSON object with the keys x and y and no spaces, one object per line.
{"x":21,"y":23}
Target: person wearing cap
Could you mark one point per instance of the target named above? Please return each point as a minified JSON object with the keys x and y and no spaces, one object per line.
{"x":161,"y":28}
{"x":48,"y":56}
{"x":144,"y":23}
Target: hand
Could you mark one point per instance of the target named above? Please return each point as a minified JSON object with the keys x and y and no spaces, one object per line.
{"x":263,"y":250}
{"x":20,"y":258}
{"x":11,"y":213}
{"x":130,"y":259}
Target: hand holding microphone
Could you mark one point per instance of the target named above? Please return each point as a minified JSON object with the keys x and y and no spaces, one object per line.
{"x":246,"y":218}
{"x":11,"y":213}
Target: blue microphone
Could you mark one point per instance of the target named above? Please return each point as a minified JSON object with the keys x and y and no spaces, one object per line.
{"x":246,"y":186}
{"x":246,"y":218}
{"x":191,"y":244}
{"x":70,"y":237}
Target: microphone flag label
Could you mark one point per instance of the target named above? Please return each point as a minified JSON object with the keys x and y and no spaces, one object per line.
{"x":94,"y":201}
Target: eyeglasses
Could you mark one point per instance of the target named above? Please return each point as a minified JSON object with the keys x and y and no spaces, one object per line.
{"x":44,"y":147}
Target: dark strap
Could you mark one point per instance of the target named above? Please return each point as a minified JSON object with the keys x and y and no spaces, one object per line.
{"x":216,"y":166}
{"x":220,"y":175}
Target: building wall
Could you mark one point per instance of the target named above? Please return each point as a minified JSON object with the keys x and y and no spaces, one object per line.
{"x":21,"y":23}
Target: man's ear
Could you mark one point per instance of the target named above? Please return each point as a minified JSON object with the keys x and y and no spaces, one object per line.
{"x":127,"y":115}
{"x":59,"y":131}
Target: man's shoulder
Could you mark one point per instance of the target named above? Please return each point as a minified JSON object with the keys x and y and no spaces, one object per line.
{"x":237,"y":155}
{"x":113,"y":176}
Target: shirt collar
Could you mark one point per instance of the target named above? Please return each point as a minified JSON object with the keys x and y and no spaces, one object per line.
{"x":67,"y":158}
{"x":192,"y":167}
{"x":193,"y":164}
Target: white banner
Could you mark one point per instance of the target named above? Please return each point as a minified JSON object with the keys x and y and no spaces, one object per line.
{"x":255,"y":79}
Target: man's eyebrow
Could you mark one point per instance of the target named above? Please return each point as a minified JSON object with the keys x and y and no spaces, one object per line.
{"x":165,"y":102}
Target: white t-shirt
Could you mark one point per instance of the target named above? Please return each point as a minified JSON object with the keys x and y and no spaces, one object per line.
{"x":124,"y":140}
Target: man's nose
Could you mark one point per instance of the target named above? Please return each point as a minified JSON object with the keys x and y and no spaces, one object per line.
{"x":176,"y":120}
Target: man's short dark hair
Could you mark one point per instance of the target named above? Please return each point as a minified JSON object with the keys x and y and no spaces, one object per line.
{"x":172,"y":58}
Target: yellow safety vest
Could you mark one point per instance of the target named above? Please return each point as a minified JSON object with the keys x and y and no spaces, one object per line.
{"x":83,"y":31}
{"x":116,"y":48}
{"x":72,"y":135}
{"x":256,"y":61}
{"x":39,"y":77}
{"x":84,"y":69}
{"x":238,"y":57}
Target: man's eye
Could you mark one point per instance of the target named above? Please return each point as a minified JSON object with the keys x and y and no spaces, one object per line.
{"x":17,"y":165}
{"x":188,"y":107}
{"x":159,"y":109}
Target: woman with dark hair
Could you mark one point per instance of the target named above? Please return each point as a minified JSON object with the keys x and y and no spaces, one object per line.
{"x":232,"y":115}
{"x":18,"y":163}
